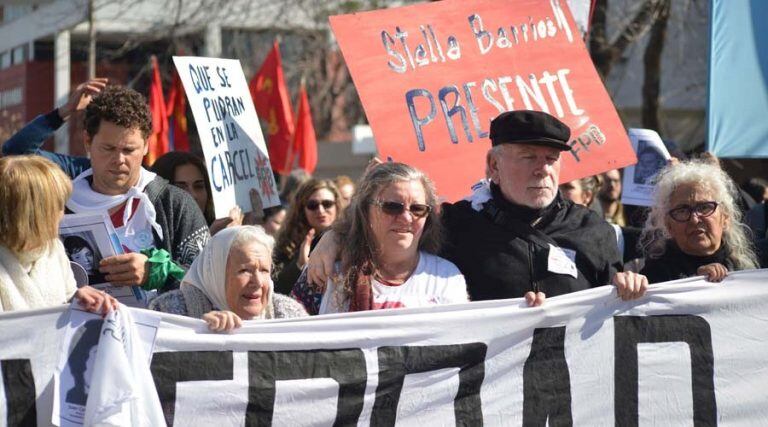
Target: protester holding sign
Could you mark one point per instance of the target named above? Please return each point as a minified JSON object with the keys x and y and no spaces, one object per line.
{"x":518,"y":237}
{"x":34,"y":269}
{"x":149,"y":215}
{"x":314,"y":207}
{"x":694,"y":226}
{"x":230,"y":282}
{"x":392,"y":235}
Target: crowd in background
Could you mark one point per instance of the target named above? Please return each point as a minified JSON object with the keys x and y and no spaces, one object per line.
{"x":384,"y":241}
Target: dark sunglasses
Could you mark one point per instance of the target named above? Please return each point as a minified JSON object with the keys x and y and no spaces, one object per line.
{"x":685,"y":212}
{"x":396,"y":208}
{"x":313,"y":205}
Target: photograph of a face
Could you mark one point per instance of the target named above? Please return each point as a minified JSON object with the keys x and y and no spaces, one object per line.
{"x":89,"y":238}
{"x":82,"y":249}
{"x":649,"y":162}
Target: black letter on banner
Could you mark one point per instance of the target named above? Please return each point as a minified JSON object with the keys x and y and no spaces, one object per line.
{"x":19,"y":392}
{"x":265,"y":368}
{"x":397,"y":362}
{"x":169,"y":368}
{"x":546,"y":381}
{"x":692,"y":330}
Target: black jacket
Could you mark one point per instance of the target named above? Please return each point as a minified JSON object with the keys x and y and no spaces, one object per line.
{"x":500,"y":259}
{"x":675,"y":264}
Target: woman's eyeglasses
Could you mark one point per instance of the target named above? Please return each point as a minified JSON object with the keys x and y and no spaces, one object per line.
{"x":418,"y":210}
{"x":684,"y":213}
{"x":313,"y":205}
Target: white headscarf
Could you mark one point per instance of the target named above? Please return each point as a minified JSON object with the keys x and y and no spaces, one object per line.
{"x":208,"y":272}
{"x":84,"y":199}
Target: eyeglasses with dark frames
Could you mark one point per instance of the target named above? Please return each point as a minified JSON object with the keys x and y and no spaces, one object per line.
{"x":418,"y":210}
{"x":685,"y":212}
{"x":313,"y":205}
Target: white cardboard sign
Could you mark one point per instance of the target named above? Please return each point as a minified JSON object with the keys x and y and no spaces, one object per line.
{"x":235,"y":153}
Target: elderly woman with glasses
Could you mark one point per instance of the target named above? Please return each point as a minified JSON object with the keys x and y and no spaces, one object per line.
{"x":694,"y":227}
{"x":391,"y":234}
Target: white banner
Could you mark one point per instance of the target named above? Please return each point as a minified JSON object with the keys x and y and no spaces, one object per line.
{"x":689,"y":352}
{"x":235,"y":152}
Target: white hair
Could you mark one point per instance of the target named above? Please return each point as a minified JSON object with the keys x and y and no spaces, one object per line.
{"x":247,"y":234}
{"x":713,"y":180}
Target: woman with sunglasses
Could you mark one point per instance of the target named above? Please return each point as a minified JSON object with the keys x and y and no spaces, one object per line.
{"x":392,"y":233}
{"x":694,"y":227}
{"x":315,"y":206}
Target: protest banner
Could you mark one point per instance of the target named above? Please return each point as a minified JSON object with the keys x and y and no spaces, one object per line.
{"x":235,"y":153}
{"x":431,"y":77}
{"x":738,"y":87}
{"x":652,"y":157}
{"x":688,"y":352}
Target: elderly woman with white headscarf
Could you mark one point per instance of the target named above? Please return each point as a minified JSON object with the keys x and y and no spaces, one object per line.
{"x":230,"y":282}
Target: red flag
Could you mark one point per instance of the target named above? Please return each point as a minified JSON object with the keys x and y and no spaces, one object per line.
{"x":176,"y":108}
{"x":158,"y":140}
{"x":305,"y":141}
{"x":272,"y":102}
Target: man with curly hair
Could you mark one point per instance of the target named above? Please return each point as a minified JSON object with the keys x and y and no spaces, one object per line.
{"x":155,"y":221}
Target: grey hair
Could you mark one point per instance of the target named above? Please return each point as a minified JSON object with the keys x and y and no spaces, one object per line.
{"x":710,"y":178}
{"x":359,"y":248}
{"x":253,"y":234}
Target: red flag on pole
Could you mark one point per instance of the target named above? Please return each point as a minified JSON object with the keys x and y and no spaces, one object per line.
{"x":158,"y":140}
{"x":176,"y":108}
{"x":273,"y":104}
{"x":305,"y":141}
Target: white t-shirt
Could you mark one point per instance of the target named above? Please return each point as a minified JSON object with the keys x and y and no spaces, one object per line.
{"x":435,"y":281}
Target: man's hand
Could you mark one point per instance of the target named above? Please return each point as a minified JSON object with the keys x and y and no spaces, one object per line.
{"x":222,"y":321}
{"x":715,"y":272}
{"x":81,"y":97}
{"x":320,"y":264}
{"x":630,"y":285}
{"x":126,"y":269}
{"x":95,"y":301}
{"x":535,"y":299}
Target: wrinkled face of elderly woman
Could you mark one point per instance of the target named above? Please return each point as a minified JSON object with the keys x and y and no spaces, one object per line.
{"x":695,"y":221}
{"x":247,"y":279}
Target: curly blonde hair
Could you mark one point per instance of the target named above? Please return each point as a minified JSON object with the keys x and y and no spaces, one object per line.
{"x":713,"y":180}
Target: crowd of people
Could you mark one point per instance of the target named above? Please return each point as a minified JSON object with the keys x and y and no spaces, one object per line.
{"x":331,"y":246}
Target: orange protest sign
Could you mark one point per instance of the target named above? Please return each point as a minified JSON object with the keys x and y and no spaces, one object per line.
{"x":431,"y":77}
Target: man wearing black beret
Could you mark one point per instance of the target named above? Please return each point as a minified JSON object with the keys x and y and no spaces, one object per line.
{"x":520,"y":237}
{"x":517,"y":236}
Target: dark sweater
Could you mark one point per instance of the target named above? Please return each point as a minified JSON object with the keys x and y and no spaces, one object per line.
{"x":498,"y":262}
{"x":675,"y":264}
{"x":185,"y":231}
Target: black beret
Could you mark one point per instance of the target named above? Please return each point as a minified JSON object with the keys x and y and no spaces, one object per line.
{"x":530,"y":127}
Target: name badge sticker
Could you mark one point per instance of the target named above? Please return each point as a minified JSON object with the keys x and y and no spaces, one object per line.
{"x":562,"y":261}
